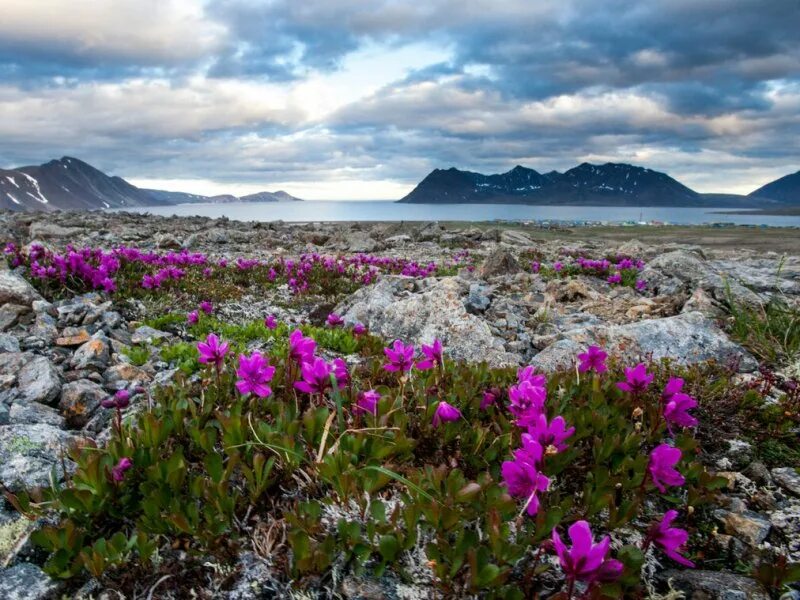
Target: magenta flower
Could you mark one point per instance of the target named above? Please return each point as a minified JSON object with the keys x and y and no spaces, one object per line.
{"x":367,"y":402}
{"x":586,"y":561}
{"x":400,"y":357}
{"x":641,"y":285}
{"x":614,"y":278}
{"x":120,"y":400}
{"x":490,"y":396}
{"x":445,"y":413}
{"x":676,"y":411}
{"x":340,"y":372}
{"x":671,"y":539}
{"x":674,"y":386}
{"x":212,"y":351}
{"x":118,"y":472}
{"x":193,"y":318}
{"x":523,"y":480}
{"x":526,"y":402}
{"x":301,"y":348}
{"x":661,"y":467}
{"x":334,"y":320}
{"x":535,"y":267}
{"x":557,"y":266}
{"x":594,"y":359}
{"x":637,"y":379}
{"x":434,"y":356}
{"x":270,"y":322}
{"x":254,"y":374}
{"x":317,"y":376}
{"x":551,"y":434}
{"x":528,"y":374}
{"x":206,"y":307}
{"x":532,"y":451}
{"x":359,"y":329}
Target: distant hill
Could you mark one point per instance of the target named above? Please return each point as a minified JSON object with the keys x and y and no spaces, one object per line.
{"x":610,"y":184}
{"x":71,"y":184}
{"x":786,"y":189}
{"x":68,"y":183}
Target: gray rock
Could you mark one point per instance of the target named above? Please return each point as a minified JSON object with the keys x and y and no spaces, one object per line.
{"x":438,"y":312}
{"x":30,"y":453}
{"x":43,"y":230}
{"x":685,"y":339}
{"x":698,"y":584}
{"x":788,"y":479}
{"x":26,"y":413}
{"x":80,"y":401}
{"x":38,"y":381}
{"x":10,"y":314}
{"x":478,"y":299}
{"x":93,"y":354}
{"x":515,"y":238}
{"x":16,"y":290}
{"x":787,"y":522}
{"x":8,"y":343}
{"x":26,"y":581}
{"x":147,"y":335}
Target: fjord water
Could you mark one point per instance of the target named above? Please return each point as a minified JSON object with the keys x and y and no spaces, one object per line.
{"x":309,"y":211}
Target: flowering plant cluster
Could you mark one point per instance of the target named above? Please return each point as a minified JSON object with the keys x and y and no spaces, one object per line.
{"x":498,"y":468}
{"x":620,"y":270}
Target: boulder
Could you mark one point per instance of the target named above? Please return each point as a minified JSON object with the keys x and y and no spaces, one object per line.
{"x":788,"y":478}
{"x":499,"y":262}
{"x":698,"y":584}
{"x":437,"y":312}
{"x":80,"y":400}
{"x":93,"y":354}
{"x":16,"y":290}
{"x":26,"y":581}
{"x":687,"y":338}
{"x":43,"y":230}
{"x":38,"y":381}
{"x":30,"y":453}
{"x":513,"y":237}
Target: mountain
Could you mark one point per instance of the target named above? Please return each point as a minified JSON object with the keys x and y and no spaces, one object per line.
{"x":68,"y":183}
{"x":786,"y":189}
{"x":71,"y":184}
{"x":611,"y":184}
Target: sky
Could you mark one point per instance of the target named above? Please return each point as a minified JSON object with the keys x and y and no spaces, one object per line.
{"x":354,"y":99}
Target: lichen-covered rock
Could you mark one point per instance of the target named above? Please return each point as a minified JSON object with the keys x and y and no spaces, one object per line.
{"x":437,"y":312}
{"x":685,"y":339}
{"x":80,"y":401}
{"x":788,"y":478}
{"x":30,"y":453}
{"x":94,"y":354}
{"x":38,"y":381}
{"x":698,"y":584}
{"x":26,"y":581}
{"x":16,"y":290}
{"x":500,"y":262}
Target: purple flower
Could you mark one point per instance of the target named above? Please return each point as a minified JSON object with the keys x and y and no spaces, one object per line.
{"x":674,"y":386}
{"x":118,"y":472}
{"x":528,"y":374}
{"x":434,"y":356}
{"x":317,"y":375}
{"x":334,"y":320}
{"x":445,"y":413}
{"x":270,"y":322}
{"x":367,"y":402}
{"x":676,"y":411}
{"x":586,"y":561}
{"x":671,"y":539}
{"x":535,"y":267}
{"x":254,"y":374}
{"x":121,"y":399}
{"x":523,"y":480}
{"x":359,"y":329}
{"x":637,"y":379}
{"x":400,"y":357}
{"x":557,"y":266}
{"x":490,"y":396}
{"x":661,"y":467}
{"x":614,"y":278}
{"x":526,"y":402}
{"x":206,"y":307}
{"x":193,"y":317}
{"x":212,"y":351}
{"x":551,"y":434}
{"x":301,"y":348}
{"x":340,"y":372}
{"x":641,"y":285}
{"x":594,"y":359}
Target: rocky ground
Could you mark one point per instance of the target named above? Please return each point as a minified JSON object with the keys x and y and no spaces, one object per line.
{"x":59,"y":359}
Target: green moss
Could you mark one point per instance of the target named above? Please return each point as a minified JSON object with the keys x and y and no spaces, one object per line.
{"x":10,"y":534}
